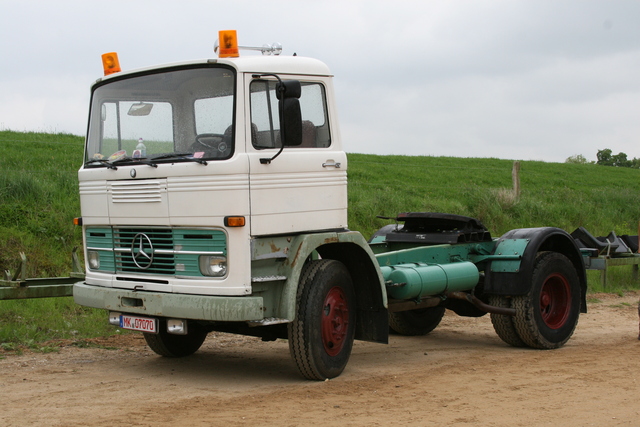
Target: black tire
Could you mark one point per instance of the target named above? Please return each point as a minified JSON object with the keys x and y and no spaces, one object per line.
{"x":416,"y":322}
{"x":504,"y":325}
{"x":547,"y":316}
{"x":321,"y":336}
{"x":171,"y":345}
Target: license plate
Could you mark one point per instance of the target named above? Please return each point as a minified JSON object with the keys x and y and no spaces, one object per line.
{"x":136,"y":323}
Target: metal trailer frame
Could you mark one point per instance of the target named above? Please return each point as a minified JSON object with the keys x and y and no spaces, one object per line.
{"x":19,"y":286}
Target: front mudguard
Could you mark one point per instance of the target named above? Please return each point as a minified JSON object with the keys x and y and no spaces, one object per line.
{"x":351,"y":249}
{"x":518,"y":281}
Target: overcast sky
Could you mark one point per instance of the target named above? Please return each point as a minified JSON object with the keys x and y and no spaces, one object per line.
{"x":529,"y":80}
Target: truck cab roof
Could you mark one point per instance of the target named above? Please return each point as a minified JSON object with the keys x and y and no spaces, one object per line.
{"x":246,"y":64}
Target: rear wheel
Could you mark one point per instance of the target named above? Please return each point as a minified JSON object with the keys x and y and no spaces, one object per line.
{"x":171,"y":345}
{"x":547,"y":316}
{"x":321,"y":336}
{"x":416,"y":322}
{"x":503,"y":324}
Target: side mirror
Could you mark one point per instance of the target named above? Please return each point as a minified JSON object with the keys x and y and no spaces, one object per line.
{"x":288,"y":92}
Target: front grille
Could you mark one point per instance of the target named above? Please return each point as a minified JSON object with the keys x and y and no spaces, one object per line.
{"x":125,"y":247}
{"x":166,"y":251}
{"x":143,"y":191}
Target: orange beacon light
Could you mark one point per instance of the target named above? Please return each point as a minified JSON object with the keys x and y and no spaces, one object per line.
{"x":110,"y":63}
{"x":228,"y":44}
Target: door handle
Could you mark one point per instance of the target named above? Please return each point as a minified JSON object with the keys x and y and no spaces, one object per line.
{"x":331,"y":164}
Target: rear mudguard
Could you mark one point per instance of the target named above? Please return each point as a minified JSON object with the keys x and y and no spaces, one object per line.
{"x":518,"y":281}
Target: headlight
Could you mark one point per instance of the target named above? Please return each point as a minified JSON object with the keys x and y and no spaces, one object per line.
{"x":213,"y":265}
{"x":94,"y":260}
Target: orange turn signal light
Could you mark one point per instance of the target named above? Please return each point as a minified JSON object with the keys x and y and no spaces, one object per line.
{"x":228,"y":40}
{"x":234,"y":221}
{"x":77,"y":221}
{"x":110,"y":63}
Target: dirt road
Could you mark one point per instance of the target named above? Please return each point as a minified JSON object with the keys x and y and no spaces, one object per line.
{"x":460,"y":374}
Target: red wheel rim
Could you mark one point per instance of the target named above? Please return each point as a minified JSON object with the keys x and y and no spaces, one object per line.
{"x":555,"y":301}
{"x":335,"y":321}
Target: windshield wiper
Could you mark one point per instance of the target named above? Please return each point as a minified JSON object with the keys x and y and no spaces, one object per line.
{"x":107,"y":163}
{"x":134,"y":160}
{"x":184,"y":156}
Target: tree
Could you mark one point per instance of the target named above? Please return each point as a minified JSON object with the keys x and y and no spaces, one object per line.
{"x":620,"y":160}
{"x":604,"y":157}
{"x":577,"y":159}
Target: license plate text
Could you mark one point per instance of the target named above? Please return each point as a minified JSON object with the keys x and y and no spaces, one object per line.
{"x":134,"y":323}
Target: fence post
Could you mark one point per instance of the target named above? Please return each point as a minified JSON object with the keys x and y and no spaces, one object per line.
{"x":515,"y":176}
{"x":635,"y":266}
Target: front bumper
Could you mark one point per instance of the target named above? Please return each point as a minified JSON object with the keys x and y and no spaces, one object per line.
{"x":183,"y":306}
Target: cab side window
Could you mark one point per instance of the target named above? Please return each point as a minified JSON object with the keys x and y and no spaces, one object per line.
{"x":265,"y":123}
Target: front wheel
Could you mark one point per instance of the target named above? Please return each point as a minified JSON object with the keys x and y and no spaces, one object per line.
{"x":321,"y":336}
{"x":171,"y":345}
{"x":547,"y":316}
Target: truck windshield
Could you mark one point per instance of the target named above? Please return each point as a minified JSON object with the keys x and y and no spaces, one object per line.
{"x":169,"y":116}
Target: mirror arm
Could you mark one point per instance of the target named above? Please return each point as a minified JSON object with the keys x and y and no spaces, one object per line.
{"x":265,"y":161}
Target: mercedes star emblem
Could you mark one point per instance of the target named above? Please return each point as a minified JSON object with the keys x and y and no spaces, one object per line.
{"x":132,"y":172}
{"x":142,"y":251}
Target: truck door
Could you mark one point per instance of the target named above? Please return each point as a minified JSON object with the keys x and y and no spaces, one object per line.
{"x":305,"y":187}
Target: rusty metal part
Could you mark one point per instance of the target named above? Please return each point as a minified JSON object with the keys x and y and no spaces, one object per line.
{"x":481,"y":305}
{"x":404,"y":305}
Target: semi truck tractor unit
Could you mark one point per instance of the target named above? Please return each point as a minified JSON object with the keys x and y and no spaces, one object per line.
{"x":214,"y":198}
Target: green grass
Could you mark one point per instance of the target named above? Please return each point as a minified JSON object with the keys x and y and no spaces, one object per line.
{"x":598,"y":198}
{"x":39,"y":199}
{"x":32,"y":322}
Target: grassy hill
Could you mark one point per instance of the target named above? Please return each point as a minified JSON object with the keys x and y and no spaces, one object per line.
{"x":39,"y":195}
{"x":598,"y":198}
{"x":39,"y":199}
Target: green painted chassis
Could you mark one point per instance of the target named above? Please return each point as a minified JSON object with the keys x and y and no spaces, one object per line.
{"x":277,"y":263}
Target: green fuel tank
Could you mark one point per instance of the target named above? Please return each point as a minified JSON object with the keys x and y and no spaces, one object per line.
{"x":418,"y":280}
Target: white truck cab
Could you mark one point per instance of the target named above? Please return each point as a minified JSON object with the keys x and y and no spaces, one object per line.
{"x":205,"y":127}
{"x":200,"y":206}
